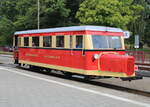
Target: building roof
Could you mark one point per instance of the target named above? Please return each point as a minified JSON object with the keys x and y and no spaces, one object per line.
{"x":72,"y":28}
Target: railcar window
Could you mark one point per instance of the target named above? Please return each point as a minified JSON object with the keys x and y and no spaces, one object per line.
{"x":106,"y":42}
{"x":60,"y":41}
{"x":71,"y":41}
{"x":26,"y":41}
{"x":19,"y":41}
{"x":79,"y":41}
{"x":15,"y":41}
{"x":35,"y":41}
{"x":47,"y":41}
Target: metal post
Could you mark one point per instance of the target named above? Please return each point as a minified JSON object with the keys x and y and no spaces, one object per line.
{"x":38,"y":15}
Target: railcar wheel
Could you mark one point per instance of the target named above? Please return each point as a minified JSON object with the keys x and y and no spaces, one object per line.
{"x":87,"y":78}
{"x":68,"y":74}
{"x":46,"y":70}
{"x":31,"y":67}
{"x":34,"y":68}
{"x":19,"y":64}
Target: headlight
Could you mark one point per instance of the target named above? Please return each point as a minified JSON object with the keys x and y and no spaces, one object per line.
{"x":96,"y":56}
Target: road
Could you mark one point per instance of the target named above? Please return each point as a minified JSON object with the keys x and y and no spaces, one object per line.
{"x":23,"y":88}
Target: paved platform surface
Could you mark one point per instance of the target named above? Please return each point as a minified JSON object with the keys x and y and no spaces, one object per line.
{"x":23,"y":88}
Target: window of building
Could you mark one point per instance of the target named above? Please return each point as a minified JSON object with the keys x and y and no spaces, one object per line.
{"x":35,"y":41}
{"x":79,"y":41}
{"x":47,"y":41}
{"x":60,"y":41}
{"x":26,"y":41}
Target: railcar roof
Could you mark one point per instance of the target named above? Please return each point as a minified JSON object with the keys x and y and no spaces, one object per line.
{"x":72,"y":28}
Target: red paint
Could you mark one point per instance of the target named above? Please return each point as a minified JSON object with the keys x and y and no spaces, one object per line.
{"x":117,"y":63}
{"x":64,"y":58}
{"x":75,"y":59}
{"x":16,"y":54}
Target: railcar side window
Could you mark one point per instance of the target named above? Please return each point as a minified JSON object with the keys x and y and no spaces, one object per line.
{"x":79,"y":41}
{"x":19,"y":41}
{"x":47,"y":41}
{"x":35,"y":41}
{"x":60,"y":41}
{"x":15,"y":41}
{"x":71,"y":41}
{"x":26,"y":41}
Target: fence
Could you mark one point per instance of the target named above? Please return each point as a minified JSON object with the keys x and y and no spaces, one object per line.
{"x":140,"y":56}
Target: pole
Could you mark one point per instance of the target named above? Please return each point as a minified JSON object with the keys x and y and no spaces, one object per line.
{"x":38,"y":15}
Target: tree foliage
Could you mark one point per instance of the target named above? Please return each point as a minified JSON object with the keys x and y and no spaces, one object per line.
{"x":6,"y":31}
{"x":73,"y":5}
{"x":52,"y":13}
{"x":117,"y":13}
{"x":7,"y":9}
{"x":147,"y":26}
{"x":140,"y":25}
{"x":22,"y":15}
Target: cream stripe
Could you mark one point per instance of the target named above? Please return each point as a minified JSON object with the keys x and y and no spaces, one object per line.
{"x":79,"y":71}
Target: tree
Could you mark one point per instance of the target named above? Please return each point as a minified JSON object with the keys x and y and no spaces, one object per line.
{"x":22,"y":15}
{"x":27,"y":14}
{"x":140,"y":26}
{"x":6,"y":31}
{"x":147,"y":25}
{"x":7,"y":9}
{"x":116,"y":13}
{"x":73,"y":5}
{"x":52,"y":13}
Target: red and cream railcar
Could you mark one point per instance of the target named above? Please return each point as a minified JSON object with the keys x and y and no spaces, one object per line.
{"x":84,"y":50}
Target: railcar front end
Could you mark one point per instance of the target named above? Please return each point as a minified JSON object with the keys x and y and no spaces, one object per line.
{"x":108,"y":57}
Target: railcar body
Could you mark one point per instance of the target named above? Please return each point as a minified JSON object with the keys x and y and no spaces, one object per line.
{"x":84,"y":50}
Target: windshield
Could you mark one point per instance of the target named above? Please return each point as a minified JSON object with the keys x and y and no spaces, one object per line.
{"x":106,"y":42}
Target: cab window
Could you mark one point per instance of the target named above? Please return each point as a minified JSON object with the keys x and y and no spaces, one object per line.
{"x":106,"y":42}
{"x":60,"y":41}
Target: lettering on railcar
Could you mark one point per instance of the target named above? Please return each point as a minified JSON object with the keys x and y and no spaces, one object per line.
{"x":52,"y":57}
{"x":34,"y":55}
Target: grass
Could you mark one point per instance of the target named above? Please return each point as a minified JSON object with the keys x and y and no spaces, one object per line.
{"x":6,"y":53}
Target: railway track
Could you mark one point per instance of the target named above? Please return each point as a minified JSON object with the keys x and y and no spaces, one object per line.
{"x":143,"y":66}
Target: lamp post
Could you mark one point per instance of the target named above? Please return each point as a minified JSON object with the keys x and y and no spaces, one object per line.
{"x":38,"y":15}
